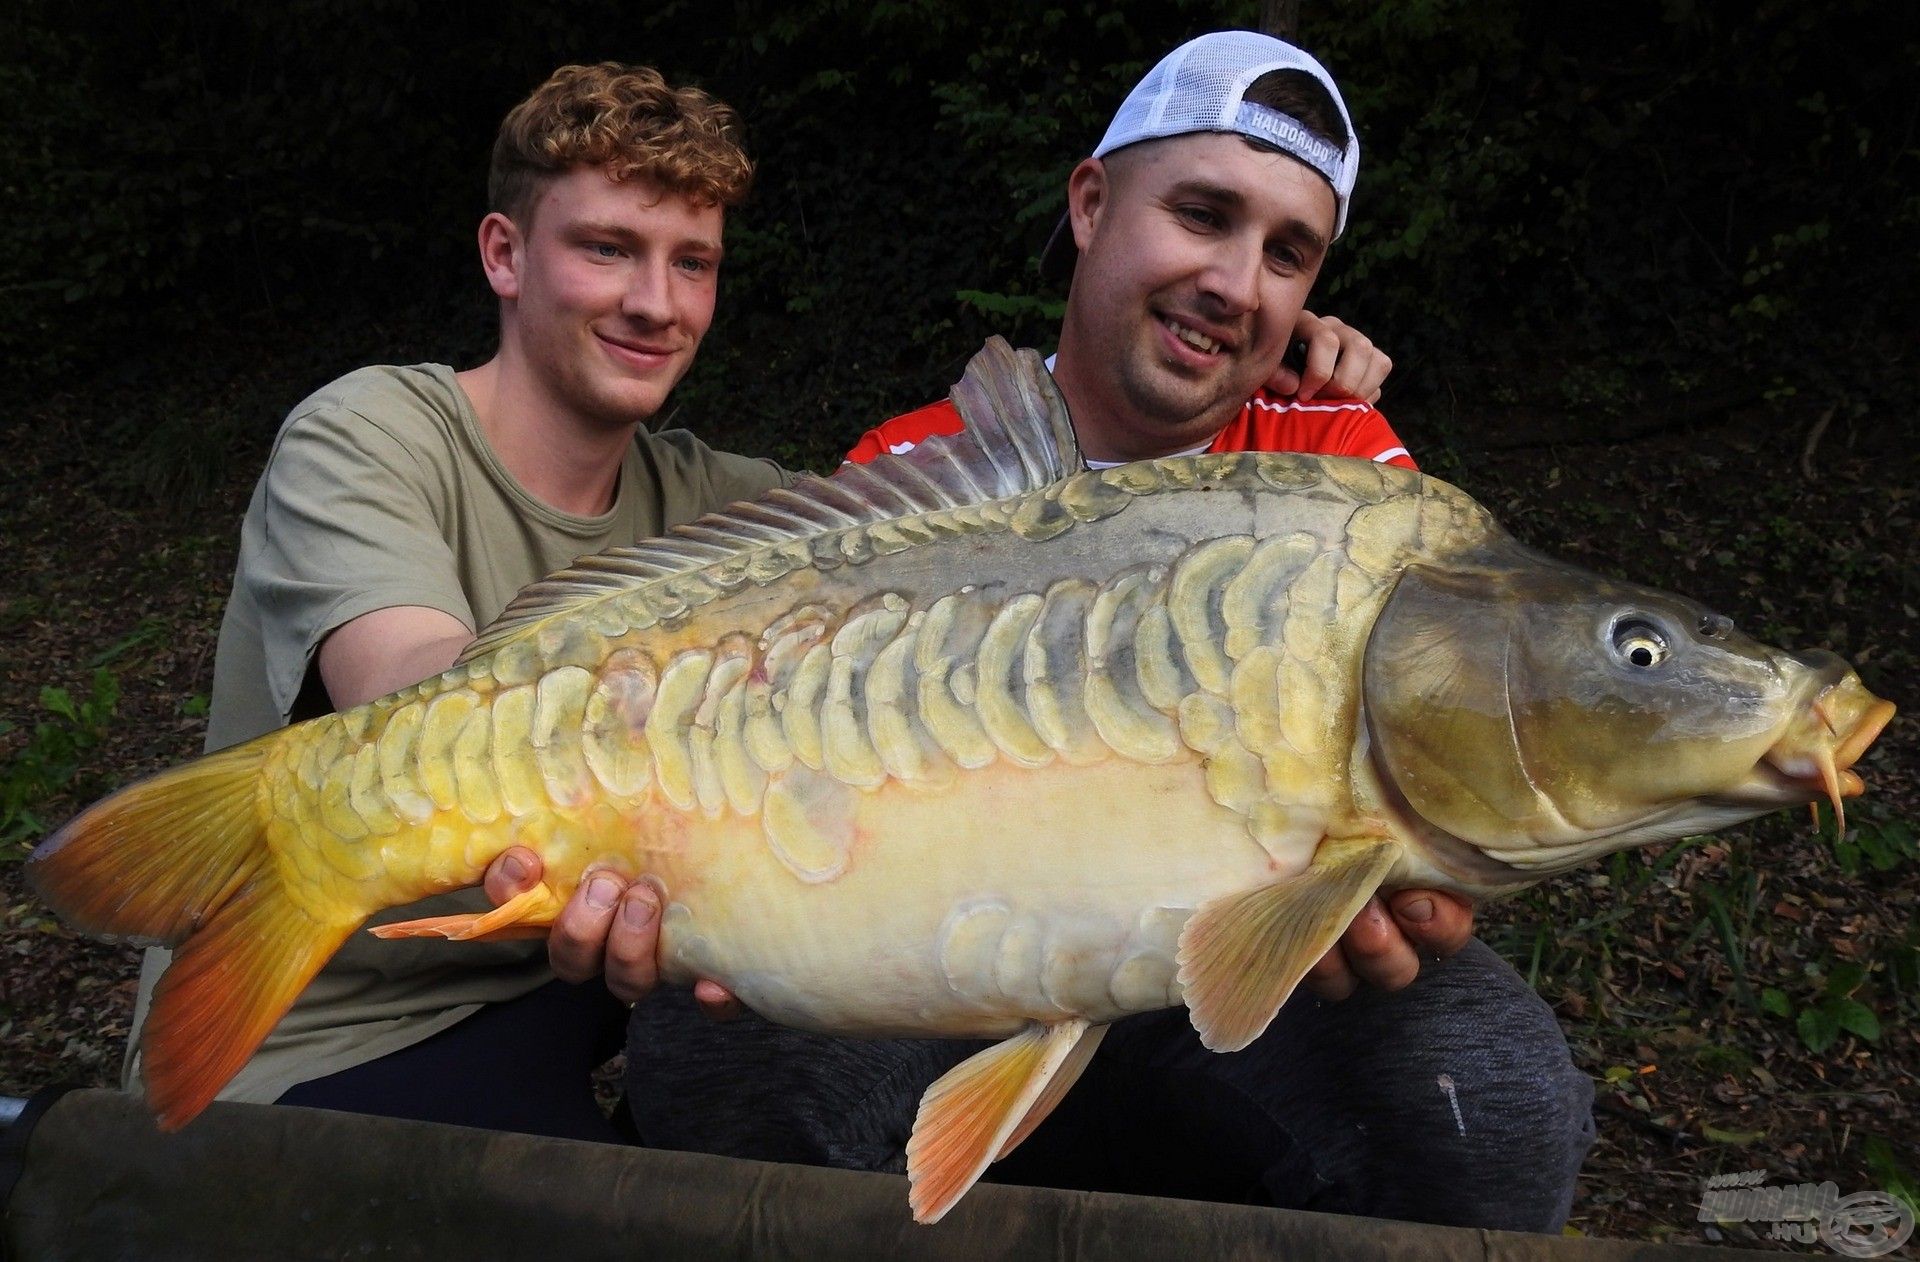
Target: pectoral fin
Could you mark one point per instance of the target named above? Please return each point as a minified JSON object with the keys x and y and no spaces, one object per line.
{"x":1242,"y":955}
{"x":525,"y":915}
{"x":981,"y":1108}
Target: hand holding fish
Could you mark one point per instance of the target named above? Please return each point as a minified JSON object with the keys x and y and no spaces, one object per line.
{"x":1386,"y":942}
{"x":610,"y":925}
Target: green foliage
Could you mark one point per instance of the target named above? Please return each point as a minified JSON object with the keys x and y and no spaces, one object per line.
{"x":1830,"y":1008}
{"x":51,"y":759}
{"x":1889,"y":1174}
{"x":1873,"y":840}
{"x":1675,"y":192}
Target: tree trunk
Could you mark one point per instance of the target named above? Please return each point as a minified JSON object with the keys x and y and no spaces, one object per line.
{"x":1281,"y":18}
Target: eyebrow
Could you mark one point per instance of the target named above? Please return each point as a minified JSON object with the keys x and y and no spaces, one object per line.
{"x":1299,"y":229}
{"x":626,"y":235}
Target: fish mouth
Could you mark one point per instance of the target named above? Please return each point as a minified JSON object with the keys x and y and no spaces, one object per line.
{"x":1814,"y":758}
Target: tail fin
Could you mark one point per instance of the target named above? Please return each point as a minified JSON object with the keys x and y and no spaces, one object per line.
{"x":181,"y":858}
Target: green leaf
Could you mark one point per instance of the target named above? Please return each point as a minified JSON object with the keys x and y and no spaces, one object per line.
{"x":58,"y":701}
{"x":1775,"y":1001}
{"x":1819,"y":1027}
{"x":1857,"y":1018}
{"x":1737,"y":1138}
{"x":1845,"y":979}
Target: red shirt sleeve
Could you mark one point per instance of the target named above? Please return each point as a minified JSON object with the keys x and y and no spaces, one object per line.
{"x":904,"y":433}
{"x":1322,"y":427}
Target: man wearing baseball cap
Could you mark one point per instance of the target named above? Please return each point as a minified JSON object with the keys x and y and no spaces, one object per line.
{"x":1442,"y":1094}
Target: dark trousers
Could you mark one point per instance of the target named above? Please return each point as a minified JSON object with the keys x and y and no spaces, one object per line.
{"x":1452,"y":1101}
{"x":525,"y":1065}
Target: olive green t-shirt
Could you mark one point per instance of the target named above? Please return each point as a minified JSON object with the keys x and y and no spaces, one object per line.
{"x":382,"y":491}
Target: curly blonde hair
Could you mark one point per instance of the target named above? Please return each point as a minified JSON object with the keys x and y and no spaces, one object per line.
{"x":626,"y":120}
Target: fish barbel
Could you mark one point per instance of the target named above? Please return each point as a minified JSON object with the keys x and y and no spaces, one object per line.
{"x":975,"y":742}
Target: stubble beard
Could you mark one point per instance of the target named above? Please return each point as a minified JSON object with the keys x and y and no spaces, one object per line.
{"x":1165,"y":400}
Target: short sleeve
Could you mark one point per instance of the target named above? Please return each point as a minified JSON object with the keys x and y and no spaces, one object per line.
{"x":347,"y":523}
{"x":690,"y":479}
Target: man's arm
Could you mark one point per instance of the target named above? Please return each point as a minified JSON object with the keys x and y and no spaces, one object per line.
{"x":384,"y":651}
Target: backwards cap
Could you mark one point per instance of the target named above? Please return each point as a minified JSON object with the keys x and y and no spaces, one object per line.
{"x":1201,"y":86}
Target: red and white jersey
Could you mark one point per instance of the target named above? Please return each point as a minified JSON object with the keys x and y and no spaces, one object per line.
{"x":1322,"y":427}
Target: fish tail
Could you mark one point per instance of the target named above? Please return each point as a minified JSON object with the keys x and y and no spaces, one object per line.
{"x":181,"y":858}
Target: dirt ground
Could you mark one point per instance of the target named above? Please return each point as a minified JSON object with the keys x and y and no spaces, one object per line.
{"x":1694,"y":982}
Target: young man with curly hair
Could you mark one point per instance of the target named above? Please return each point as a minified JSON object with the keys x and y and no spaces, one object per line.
{"x":403,"y":506}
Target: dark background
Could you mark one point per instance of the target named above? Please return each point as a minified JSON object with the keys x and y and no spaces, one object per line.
{"x":1647,"y":271}
{"x":1566,"y":214}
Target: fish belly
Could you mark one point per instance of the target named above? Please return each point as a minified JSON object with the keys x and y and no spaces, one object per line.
{"x":1015,"y":895}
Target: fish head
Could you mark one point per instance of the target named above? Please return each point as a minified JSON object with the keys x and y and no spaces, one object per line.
{"x":1544,"y":715}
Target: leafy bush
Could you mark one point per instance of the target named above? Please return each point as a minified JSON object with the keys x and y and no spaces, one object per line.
{"x":1663,"y":195}
{"x":52,"y":757}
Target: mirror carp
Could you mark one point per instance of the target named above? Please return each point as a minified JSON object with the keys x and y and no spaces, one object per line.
{"x":977,"y":742}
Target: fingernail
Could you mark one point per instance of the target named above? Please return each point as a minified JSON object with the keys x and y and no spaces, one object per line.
{"x":1419,"y":911}
{"x":639,"y":910}
{"x":602,"y":892}
{"x":515,"y":867}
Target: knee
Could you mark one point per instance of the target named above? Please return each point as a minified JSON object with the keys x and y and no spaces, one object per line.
{"x":1508,"y":1116}
{"x":1453,"y":1101}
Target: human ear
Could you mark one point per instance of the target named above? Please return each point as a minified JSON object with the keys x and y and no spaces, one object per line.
{"x":1087,"y":197}
{"x":501,"y":254}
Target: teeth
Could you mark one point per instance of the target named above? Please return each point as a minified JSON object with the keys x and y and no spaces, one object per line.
{"x":1199,"y":341}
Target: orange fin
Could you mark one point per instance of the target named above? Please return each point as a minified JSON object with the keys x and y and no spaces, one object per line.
{"x":969,"y":1117}
{"x":526,"y":915}
{"x":1241,"y":956}
{"x":228,"y":985}
{"x":157,"y":859}
{"x":181,"y":858}
{"x":1056,"y":1089}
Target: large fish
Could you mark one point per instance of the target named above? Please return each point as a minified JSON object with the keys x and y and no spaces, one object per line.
{"x":978,"y":743}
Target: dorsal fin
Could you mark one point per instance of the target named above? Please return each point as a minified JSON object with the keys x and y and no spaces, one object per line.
{"x":1017,"y":439}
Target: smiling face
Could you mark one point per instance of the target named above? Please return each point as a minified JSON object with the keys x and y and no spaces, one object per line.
{"x":608,"y":292}
{"x":1196,"y":255}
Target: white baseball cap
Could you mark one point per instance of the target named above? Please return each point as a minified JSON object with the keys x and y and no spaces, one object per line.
{"x":1201,"y":86}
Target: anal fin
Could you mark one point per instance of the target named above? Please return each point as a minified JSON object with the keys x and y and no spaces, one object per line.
{"x":526,"y":915}
{"x":981,"y":1108}
{"x":1241,"y":956}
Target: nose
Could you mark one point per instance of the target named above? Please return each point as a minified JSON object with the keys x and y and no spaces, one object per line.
{"x":648,"y":297}
{"x":1232,"y":275}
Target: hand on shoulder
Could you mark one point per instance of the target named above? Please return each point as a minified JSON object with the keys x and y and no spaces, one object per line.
{"x":1342,"y":363}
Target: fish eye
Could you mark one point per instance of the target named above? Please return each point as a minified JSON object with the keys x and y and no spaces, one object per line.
{"x":1639,"y":643}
